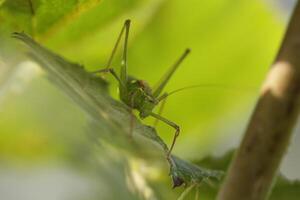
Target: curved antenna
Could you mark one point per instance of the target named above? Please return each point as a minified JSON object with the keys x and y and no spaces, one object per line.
{"x":216,"y":86}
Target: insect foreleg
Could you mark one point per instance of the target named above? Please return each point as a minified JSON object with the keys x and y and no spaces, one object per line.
{"x":172,"y":124}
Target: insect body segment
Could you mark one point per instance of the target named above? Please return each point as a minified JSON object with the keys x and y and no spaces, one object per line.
{"x":137,"y":94}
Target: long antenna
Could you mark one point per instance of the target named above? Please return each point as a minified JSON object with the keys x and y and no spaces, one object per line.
{"x":216,"y":86}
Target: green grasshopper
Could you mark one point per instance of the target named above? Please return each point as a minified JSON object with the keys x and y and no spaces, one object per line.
{"x":137,"y":94}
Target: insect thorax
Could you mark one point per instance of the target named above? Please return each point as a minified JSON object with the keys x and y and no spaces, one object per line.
{"x":138,"y":95}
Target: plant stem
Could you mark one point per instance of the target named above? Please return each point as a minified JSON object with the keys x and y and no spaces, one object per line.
{"x":186,"y":192}
{"x":255,"y":165}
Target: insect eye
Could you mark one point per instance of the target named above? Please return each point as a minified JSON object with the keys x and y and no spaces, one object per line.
{"x":141,"y":83}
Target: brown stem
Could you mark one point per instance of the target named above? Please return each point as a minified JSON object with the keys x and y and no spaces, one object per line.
{"x":256,"y":162}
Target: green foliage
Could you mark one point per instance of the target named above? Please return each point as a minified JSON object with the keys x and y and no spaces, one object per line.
{"x":285,"y":189}
{"x":90,"y":92}
{"x":232,"y":44}
{"x":86,"y":30}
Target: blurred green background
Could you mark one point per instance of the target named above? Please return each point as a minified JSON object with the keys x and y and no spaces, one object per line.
{"x":42,"y":132}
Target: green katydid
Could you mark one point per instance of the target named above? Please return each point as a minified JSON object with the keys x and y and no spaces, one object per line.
{"x":136,"y":93}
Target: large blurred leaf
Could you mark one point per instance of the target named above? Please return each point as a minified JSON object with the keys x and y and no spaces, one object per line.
{"x":109,"y":117}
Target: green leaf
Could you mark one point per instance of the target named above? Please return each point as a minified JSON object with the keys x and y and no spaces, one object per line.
{"x":285,"y":189}
{"x":110,"y":117}
{"x":188,"y":173}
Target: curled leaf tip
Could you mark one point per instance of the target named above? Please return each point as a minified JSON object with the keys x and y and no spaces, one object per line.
{"x":177,"y":181}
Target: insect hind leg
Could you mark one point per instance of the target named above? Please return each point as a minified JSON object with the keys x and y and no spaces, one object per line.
{"x":109,"y":70}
